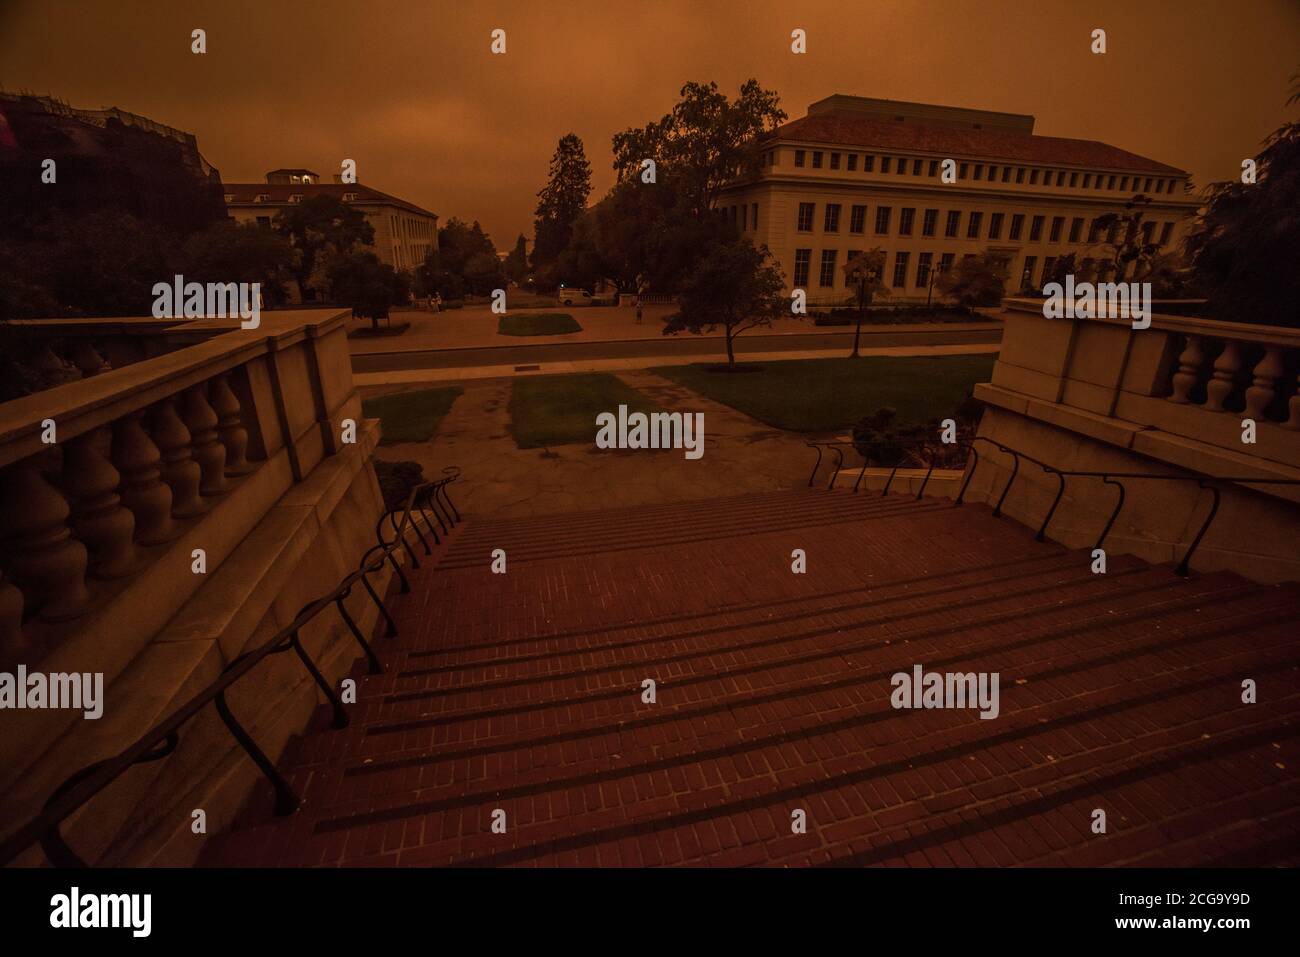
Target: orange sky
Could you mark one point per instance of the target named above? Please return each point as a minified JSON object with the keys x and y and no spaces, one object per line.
{"x":411,"y":91}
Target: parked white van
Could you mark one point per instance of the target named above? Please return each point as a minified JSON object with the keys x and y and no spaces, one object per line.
{"x":574,"y":297}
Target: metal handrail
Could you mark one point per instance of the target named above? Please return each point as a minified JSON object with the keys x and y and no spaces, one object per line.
{"x":1211,"y":482}
{"x":836,"y":446}
{"x":164,"y":737}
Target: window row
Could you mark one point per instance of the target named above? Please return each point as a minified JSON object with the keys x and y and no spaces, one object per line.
{"x":975,"y":224}
{"x":977,"y":172}
{"x":901,"y":272}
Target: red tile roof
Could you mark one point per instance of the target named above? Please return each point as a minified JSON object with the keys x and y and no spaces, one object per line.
{"x":843,"y":130}
{"x":279,"y":193}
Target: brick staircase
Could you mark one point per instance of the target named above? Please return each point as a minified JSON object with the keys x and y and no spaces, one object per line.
{"x":523,"y":692}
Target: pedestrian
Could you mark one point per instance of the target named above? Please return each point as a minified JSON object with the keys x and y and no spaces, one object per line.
{"x":638,"y":310}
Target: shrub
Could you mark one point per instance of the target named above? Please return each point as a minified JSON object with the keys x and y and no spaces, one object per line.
{"x":396,"y":479}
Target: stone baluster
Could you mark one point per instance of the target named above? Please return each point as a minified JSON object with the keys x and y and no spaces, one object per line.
{"x":143,"y":491}
{"x":1189,"y":370}
{"x":1260,"y":394}
{"x":48,"y":565}
{"x":229,"y":426}
{"x":85,"y":358}
{"x":98,"y":518}
{"x":12,"y":644}
{"x":1293,"y":407}
{"x":1219,"y":388}
{"x":179,"y":470}
{"x":208,"y":451}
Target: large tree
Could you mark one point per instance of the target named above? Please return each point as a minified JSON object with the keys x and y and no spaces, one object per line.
{"x":358,"y":279}
{"x":736,"y":286}
{"x":230,"y":252}
{"x":517,"y":261}
{"x":976,"y":280}
{"x":319,"y":227}
{"x":562,"y":200}
{"x":1246,"y":247}
{"x":703,"y":144}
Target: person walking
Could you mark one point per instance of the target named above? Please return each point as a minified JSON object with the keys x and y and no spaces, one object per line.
{"x":638,"y":310}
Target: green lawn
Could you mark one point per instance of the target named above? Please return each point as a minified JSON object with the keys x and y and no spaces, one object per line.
{"x":410,"y":416}
{"x":825,"y":395}
{"x":538,"y":324}
{"x":562,"y":409}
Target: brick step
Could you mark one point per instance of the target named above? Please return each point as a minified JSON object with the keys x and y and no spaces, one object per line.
{"x":658,"y":538}
{"x":450,"y":767}
{"x":896,"y":786}
{"x":751,"y":514}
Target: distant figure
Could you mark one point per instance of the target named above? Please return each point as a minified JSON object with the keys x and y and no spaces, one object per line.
{"x":435,"y":302}
{"x":638,"y":310}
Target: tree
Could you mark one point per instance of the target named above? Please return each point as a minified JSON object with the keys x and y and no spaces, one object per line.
{"x":1245,"y":248}
{"x":358,"y":279}
{"x":863,"y":272}
{"x":704,"y":143}
{"x":459,"y":242}
{"x":562,"y":200}
{"x":484,"y":273}
{"x":319,"y":227}
{"x":231,"y":252}
{"x":976,"y":280}
{"x":517,"y":261}
{"x":1063,"y":266}
{"x":1127,"y":241}
{"x":736,"y":286}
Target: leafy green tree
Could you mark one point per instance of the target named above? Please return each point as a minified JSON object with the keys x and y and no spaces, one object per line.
{"x":703,"y":144}
{"x":736,"y":286}
{"x":231,"y":252}
{"x":562,"y":200}
{"x":863,"y":274}
{"x":976,"y":280}
{"x":320,"y":227}
{"x":1245,"y":249}
{"x":483,"y":273}
{"x":517,"y":261}
{"x":1127,"y":243}
{"x":358,"y":279}
{"x":459,"y":242}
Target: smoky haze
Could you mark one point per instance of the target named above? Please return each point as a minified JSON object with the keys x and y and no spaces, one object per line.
{"x":413,"y":94}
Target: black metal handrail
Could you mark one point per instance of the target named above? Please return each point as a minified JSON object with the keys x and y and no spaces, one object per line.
{"x":836,"y":446}
{"x":1108,"y":477}
{"x":163,"y":738}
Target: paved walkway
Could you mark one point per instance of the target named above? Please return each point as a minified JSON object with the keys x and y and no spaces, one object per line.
{"x":518,"y":699}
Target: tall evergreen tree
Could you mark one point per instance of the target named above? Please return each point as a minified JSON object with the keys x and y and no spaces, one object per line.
{"x":562,"y":200}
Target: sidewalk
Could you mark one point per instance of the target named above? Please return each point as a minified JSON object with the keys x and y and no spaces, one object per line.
{"x":371,"y":380}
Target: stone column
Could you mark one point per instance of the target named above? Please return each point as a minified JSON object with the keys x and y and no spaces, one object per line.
{"x":230,"y":426}
{"x":143,"y":491}
{"x":48,"y":565}
{"x":98,"y":517}
{"x":201,"y":421}
{"x":179,"y":470}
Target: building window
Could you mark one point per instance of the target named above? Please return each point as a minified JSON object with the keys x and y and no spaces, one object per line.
{"x":1123,"y":184}
{"x":1074,"y":180}
{"x":995,"y":226}
{"x":1058,"y":224}
{"x":805,"y":218}
{"x":1006,"y":174}
{"x":349,"y":197}
{"x":973,"y":225}
{"x":934,"y":167}
{"x":1160,"y":186}
{"x":953,"y":224}
{"x":1020,"y":174}
{"x":923,"y":269}
{"x":1017,"y":225}
{"x":929,"y":220}
{"x":1087,"y":181}
{"x":230,"y":197}
{"x":1165,"y":231}
{"x":1076,"y":229}
{"x":799,"y":157}
{"x":945,"y":263}
{"x":1033,"y":177}
{"x":902,"y":166}
{"x":884,"y":164}
{"x":1060,"y":178}
{"x":993,"y":173}
{"x":802,"y":257}
{"x":827,"y":277}
{"x":1146,"y":188}
{"x":295,"y":197}
{"x":835,"y":161}
{"x":857,"y":219}
{"x":853,"y":162}
{"x":900,"y":270}
{"x":744,"y":218}
{"x":1048,"y":263}
{"x":882,"y":219}
{"x":905,"y":219}
{"x":1036,"y":229}
{"x":979,"y":171}
{"x":817,"y":159}
{"x":869,"y":163}
{"x":1027,"y":276}
{"x":961,"y":170}
{"x":831,"y":223}
{"x":1148,"y":229}
{"x":753,"y":218}
{"x":262,"y":198}
{"x":916,"y":167}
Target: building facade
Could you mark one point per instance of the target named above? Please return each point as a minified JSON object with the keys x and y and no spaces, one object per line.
{"x":404,"y":233}
{"x":858,"y":173}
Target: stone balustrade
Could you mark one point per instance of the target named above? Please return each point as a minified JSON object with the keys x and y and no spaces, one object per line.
{"x":96,"y":473}
{"x":1189,"y":396}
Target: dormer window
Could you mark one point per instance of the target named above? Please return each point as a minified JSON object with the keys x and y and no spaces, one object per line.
{"x":349,"y":197}
{"x":295,"y":197}
{"x":230,"y":197}
{"x":262,"y":198}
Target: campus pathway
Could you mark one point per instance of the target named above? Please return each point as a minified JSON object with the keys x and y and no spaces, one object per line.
{"x":517,"y":699}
